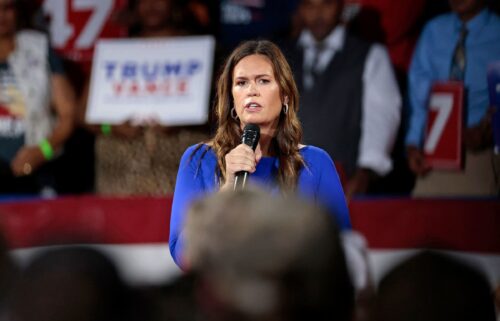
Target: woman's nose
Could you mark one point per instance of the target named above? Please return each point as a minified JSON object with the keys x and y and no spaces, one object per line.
{"x":252,"y":89}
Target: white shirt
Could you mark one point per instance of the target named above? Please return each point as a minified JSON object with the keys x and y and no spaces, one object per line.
{"x":381,"y":114}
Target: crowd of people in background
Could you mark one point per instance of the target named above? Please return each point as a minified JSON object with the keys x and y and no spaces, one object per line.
{"x":351,"y":60}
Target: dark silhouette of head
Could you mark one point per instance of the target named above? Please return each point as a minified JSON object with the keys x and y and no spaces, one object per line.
{"x":266,"y":257}
{"x":69,"y":284}
{"x":431,"y":287}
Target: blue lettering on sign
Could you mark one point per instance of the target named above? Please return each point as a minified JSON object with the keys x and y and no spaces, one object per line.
{"x":172,"y":69}
{"x":194,"y":66}
{"x":129,"y":70}
{"x":150,"y":71}
{"x":110,"y":68}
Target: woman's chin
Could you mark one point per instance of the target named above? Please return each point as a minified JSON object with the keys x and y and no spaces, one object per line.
{"x":252,"y":120}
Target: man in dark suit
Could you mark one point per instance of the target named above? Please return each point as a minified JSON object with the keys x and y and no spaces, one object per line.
{"x":350,"y":101}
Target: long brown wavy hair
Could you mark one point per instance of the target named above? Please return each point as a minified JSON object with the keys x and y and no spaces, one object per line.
{"x":285,"y":144}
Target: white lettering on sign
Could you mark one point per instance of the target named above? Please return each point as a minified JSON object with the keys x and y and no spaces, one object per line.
{"x":62,"y":30}
{"x":442,"y":104}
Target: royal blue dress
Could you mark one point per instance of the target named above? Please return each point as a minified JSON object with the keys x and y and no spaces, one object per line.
{"x":318,"y":181}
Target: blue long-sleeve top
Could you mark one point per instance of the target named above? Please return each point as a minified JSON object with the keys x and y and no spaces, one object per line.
{"x":318,"y":181}
{"x":432,"y":61}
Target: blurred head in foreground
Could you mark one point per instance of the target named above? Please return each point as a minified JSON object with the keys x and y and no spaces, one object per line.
{"x":268,"y":258}
{"x":434,"y":287}
{"x":69,"y":284}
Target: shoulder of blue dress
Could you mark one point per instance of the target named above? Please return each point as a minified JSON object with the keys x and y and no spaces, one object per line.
{"x":199,"y":150}
{"x":198,"y":155}
{"x":314,"y":157}
{"x":312,"y":152}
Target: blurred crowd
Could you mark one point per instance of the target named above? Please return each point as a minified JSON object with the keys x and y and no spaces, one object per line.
{"x":363,"y":68}
{"x":277,"y":259}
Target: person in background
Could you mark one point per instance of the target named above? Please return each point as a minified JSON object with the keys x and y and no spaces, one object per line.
{"x":33,"y":89}
{"x":246,"y":20}
{"x":432,"y":287}
{"x":350,"y":102}
{"x":255,"y":86}
{"x":394,"y":23}
{"x":142,"y":158}
{"x":473,"y":30}
{"x":264,"y":257}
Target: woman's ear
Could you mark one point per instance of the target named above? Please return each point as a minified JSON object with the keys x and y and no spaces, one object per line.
{"x":285,"y":100}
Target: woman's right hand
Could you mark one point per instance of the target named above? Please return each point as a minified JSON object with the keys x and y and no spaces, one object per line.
{"x":241,"y":158}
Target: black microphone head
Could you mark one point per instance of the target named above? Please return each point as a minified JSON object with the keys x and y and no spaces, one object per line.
{"x":251,"y":135}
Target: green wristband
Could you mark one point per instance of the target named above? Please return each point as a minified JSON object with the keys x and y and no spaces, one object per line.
{"x":46,"y":148}
{"x":106,"y":129}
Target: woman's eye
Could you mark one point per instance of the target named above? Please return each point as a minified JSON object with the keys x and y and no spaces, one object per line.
{"x":240,"y":83}
{"x":264,"y":81}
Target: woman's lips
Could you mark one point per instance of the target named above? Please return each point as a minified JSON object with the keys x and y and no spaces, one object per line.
{"x":253,"y":106}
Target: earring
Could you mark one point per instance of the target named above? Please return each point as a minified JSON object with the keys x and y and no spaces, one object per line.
{"x":233,"y":113}
{"x":285,"y":109}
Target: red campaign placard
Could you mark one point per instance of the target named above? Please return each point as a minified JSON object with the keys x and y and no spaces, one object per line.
{"x":75,"y":25}
{"x":443,"y":133}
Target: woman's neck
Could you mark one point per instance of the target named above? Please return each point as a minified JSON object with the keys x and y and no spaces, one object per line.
{"x":265,"y":143}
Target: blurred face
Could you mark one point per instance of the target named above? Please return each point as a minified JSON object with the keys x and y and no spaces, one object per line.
{"x":467,"y":9}
{"x":320,"y":16}
{"x":154,"y":14}
{"x":256,"y":93}
{"x":7,"y":18}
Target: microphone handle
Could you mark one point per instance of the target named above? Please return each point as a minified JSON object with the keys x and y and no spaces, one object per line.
{"x":240,"y":180}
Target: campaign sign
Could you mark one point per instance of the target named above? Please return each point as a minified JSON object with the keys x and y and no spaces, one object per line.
{"x":443,"y":135}
{"x":164,"y":79}
{"x":76,"y":25}
{"x":494,"y":90}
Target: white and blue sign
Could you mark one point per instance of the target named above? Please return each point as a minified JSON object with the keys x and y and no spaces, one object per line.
{"x":166,"y":79}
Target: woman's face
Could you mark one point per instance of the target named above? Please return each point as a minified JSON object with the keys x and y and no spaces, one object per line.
{"x":7,"y":18}
{"x":256,"y":92}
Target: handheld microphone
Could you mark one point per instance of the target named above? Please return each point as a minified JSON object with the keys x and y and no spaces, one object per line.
{"x":250,"y":137}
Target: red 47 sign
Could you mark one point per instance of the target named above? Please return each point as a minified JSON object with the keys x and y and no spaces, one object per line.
{"x":443,"y":141}
{"x":75,"y":25}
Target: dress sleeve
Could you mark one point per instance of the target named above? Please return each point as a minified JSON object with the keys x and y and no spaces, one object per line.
{"x":330,"y":193}
{"x":188,"y":187}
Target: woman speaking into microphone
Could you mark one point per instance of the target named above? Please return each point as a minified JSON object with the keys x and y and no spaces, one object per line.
{"x":255,"y":89}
